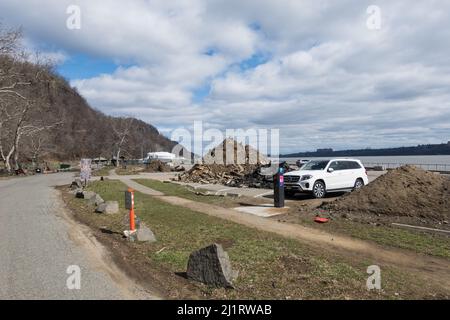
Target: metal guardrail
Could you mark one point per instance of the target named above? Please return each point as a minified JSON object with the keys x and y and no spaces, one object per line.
{"x":425,"y":166}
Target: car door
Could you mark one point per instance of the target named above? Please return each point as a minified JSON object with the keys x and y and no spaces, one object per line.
{"x":333,"y":179}
{"x":348,"y":173}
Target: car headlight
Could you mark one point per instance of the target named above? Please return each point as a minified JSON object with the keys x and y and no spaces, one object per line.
{"x":306,"y":177}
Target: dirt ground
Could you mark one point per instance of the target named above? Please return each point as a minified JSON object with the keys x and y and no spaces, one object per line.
{"x":406,"y":195}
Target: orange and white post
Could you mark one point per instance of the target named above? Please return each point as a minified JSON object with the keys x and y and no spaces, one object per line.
{"x":129,"y":204}
{"x":132,"y":222}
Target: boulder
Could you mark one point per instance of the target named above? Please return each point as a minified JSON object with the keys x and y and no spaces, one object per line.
{"x":95,"y":200}
{"x":144,"y":234}
{"x":211,"y":266}
{"x":75,"y":191}
{"x":88,"y":194}
{"x":76,"y":184}
{"x":108,"y":207}
{"x":79,"y":194}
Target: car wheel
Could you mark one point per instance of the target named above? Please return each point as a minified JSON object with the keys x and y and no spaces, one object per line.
{"x":319,"y":190}
{"x":358,"y":184}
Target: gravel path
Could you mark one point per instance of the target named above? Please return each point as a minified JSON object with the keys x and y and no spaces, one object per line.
{"x":39,"y":241}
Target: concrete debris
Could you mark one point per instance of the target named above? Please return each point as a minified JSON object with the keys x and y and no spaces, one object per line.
{"x":108,"y":207}
{"x":211,"y":266}
{"x":244,"y":167}
{"x":229,"y":175}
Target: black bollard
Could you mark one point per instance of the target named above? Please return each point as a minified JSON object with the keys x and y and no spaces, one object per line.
{"x":278,"y":189}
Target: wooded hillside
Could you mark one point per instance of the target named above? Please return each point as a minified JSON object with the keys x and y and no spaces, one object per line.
{"x":43,"y":117}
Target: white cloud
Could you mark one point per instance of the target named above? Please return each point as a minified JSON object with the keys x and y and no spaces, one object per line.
{"x":328,"y":80}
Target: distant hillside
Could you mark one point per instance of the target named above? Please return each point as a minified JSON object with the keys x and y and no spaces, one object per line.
{"x":425,"y":150}
{"x":43,"y":117}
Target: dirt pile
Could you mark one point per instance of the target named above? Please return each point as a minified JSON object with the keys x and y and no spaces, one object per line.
{"x":157,"y":166}
{"x":406,"y":192}
{"x":229,"y":175}
{"x":231,"y":152}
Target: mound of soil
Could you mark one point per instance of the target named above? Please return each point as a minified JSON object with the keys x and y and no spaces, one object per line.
{"x":406,"y":192}
{"x":157,"y":166}
{"x":231,"y":152}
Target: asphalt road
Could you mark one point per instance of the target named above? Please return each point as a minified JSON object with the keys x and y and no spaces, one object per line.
{"x":39,"y":241}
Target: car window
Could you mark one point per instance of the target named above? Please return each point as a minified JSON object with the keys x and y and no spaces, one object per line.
{"x":353,"y":165}
{"x":336,"y":165}
{"x":315,"y":165}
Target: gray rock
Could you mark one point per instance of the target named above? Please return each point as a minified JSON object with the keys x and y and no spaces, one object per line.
{"x":84,"y":194}
{"x":75,"y":191}
{"x":76,"y":184}
{"x":211,"y":266}
{"x":108,"y":207}
{"x":79,"y":194}
{"x":88,"y":194}
{"x":95,"y":200}
{"x":144,"y":234}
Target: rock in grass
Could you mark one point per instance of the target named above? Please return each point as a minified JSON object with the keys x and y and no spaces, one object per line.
{"x":84,"y":194}
{"x":76,"y":184}
{"x":144,"y":234}
{"x":79,"y":194}
{"x":211,"y":266}
{"x":108,"y":207}
{"x":95,"y":200}
{"x":88,"y":194}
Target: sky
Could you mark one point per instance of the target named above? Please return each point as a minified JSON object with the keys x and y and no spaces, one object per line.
{"x":328,"y":74}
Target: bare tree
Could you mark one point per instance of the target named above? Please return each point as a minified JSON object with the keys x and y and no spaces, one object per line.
{"x":10,"y":40}
{"x":121,"y":128}
{"x":21,"y":99}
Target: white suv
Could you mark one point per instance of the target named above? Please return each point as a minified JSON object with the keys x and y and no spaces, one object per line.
{"x":320,"y":177}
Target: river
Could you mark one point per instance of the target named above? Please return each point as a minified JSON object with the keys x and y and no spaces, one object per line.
{"x":439,"y":163}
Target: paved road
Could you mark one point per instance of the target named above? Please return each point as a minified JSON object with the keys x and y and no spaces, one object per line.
{"x":39,"y":241}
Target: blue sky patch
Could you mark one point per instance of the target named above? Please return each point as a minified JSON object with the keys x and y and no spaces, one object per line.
{"x":199,"y":94}
{"x":82,"y":66}
{"x":254,"y":61}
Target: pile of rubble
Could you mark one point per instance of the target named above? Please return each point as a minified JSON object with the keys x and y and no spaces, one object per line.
{"x":229,"y":175}
{"x":157,"y":166}
{"x":231,"y":164}
{"x":231,"y":152}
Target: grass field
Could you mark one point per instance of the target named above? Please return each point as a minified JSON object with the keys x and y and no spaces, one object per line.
{"x":172,"y":189}
{"x":422,"y":242}
{"x":103,"y":172}
{"x":269,"y":266}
